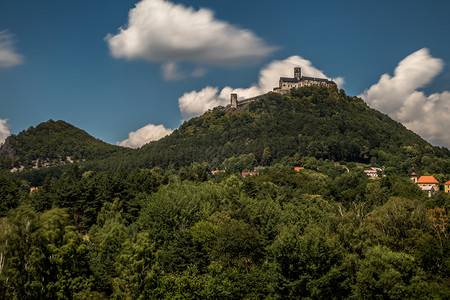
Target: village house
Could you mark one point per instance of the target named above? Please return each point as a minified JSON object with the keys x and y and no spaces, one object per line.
{"x":447,"y":187}
{"x":373,"y":172}
{"x":428,"y":184}
{"x":217,"y":171}
{"x":429,"y":189}
{"x":245,"y":174}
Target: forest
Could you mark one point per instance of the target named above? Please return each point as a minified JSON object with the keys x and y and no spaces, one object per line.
{"x":187,"y":234}
{"x":175,"y":219}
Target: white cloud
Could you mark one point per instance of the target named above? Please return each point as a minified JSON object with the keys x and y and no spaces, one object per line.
{"x":162,"y":31}
{"x":4,"y":131}
{"x":399,"y":97}
{"x":171,"y":71}
{"x":195,"y":103}
{"x":8,"y":54}
{"x":145,"y":135}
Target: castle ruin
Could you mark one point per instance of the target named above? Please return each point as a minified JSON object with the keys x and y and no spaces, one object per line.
{"x":286,"y":84}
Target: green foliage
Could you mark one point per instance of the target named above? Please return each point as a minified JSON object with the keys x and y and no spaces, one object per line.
{"x":42,"y":256}
{"x":310,"y":122}
{"x":310,"y":264}
{"x":176,"y":235}
{"x":52,"y":143}
{"x":385,"y":274}
{"x":10,"y":194}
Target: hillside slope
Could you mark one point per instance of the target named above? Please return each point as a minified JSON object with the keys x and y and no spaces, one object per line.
{"x":52,"y":143}
{"x":316,"y":122}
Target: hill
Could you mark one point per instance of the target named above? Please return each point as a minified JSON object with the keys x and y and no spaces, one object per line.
{"x":301,"y":128}
{"x":310,"y":122}
{"x":52,"y":143}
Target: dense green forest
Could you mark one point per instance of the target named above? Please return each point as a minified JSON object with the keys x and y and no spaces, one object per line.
{"x":310,"y":122}
{"x":186,"y":234}
{"x":52,"y":143}
{"x":155,"y":223}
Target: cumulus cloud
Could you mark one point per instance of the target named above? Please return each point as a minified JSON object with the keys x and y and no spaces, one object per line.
{"x":4,"y":131}
{"x":8,"y":54}
{"x":399,"y":97}
{"x":195,"y":103}
{"x":145,"y":135}
{"x":162,"y":31}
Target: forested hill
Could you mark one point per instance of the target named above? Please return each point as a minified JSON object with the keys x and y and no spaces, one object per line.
{"x":307,"y":125}
{"x":310,"y":122}
{"x":52,"y":143}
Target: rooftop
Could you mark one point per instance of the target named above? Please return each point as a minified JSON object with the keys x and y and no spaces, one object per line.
{"x":427,"y":179}
{"x":289,"y":79}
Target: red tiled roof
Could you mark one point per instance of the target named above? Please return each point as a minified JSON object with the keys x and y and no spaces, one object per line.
{"x":217,"y":171}
{"x":448,"y":182}
{"x":299,"y":168}
{"x":427,"y":179}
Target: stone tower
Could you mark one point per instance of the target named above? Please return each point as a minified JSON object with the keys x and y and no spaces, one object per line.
{"x":297,"y":73}
{"x":234,"y":101}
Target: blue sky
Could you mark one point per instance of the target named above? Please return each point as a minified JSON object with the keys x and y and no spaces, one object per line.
{"x":171,"y":60}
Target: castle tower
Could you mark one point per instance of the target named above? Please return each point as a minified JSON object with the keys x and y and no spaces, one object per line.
{"x":234,"y":101}
{"x":297,"y":73}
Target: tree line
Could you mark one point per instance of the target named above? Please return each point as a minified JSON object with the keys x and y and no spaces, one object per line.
{"x":186,"y":234}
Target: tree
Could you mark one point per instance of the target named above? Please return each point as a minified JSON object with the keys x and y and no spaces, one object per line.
{"x":385,"y":274}
{"x":42,"y":256}
{"x":138,"y":268}
{"x":309,"y":265}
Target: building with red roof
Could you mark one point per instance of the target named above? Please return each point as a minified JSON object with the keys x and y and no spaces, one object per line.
{"x":426,"y":182}
{"x":245,"y":174}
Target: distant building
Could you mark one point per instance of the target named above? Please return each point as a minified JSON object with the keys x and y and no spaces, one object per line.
{"x":258,"y":168}
{"x":447,"y":187}
{"x":373,"y":172}
{"x":413,"y":176}
{"x":217,"y":171}
{"x":299,"y":168}
{"x":245,"y":174}
{"x":287,"y":83}
{"x":429,"y":189}
{"x":428,"y":182}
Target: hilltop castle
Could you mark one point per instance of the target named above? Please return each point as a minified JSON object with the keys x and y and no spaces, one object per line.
{"x":286,"y":84}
